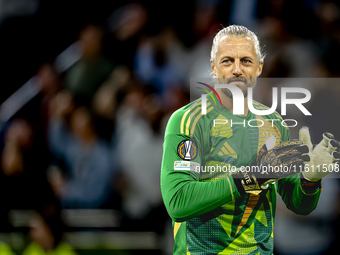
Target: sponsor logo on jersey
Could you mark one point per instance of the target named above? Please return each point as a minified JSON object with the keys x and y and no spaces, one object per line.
{"x":187,"y":150}
{"x":187,"y":165}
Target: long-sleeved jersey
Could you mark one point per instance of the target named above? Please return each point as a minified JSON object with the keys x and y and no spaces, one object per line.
{"x":209,"y":214}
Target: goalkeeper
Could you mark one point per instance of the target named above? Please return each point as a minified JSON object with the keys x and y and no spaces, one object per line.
{"x":224,"y":212}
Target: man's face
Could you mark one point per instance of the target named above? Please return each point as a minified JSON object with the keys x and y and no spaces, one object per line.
{"x":236,"y":64}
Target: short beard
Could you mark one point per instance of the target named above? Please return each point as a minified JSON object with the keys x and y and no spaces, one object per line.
{"x":250,"y":83}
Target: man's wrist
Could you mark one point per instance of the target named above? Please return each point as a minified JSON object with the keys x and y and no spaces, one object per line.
{"x":309,"y":185}
{"x":246,"y":183}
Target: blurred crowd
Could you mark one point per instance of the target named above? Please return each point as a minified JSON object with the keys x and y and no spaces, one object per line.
{"x":92,"y":137}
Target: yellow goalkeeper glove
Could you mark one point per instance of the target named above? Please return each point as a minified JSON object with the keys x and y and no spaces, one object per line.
{"x":324,"y":157}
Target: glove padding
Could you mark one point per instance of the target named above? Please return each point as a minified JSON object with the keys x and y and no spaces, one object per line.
{"x":273,"y":164}
{"x":324,"y":157}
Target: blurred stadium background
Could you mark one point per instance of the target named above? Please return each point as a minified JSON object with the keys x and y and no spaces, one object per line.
{"x":87,"y":88}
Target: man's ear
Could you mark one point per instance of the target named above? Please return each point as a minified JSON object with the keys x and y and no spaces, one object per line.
{"x":259,"y":69}
{"x":213,"y":67}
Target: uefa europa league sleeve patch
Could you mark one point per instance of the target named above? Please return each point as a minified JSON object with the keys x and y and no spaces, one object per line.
{"x":187,"y":150}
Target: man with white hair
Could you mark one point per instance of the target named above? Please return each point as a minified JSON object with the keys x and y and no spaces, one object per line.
{"x":217,"y":206}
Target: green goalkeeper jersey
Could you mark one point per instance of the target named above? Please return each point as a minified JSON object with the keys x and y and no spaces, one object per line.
{"x":209,"y":214}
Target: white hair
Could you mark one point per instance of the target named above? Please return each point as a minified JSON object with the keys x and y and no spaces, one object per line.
{"x":237,"y":32}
